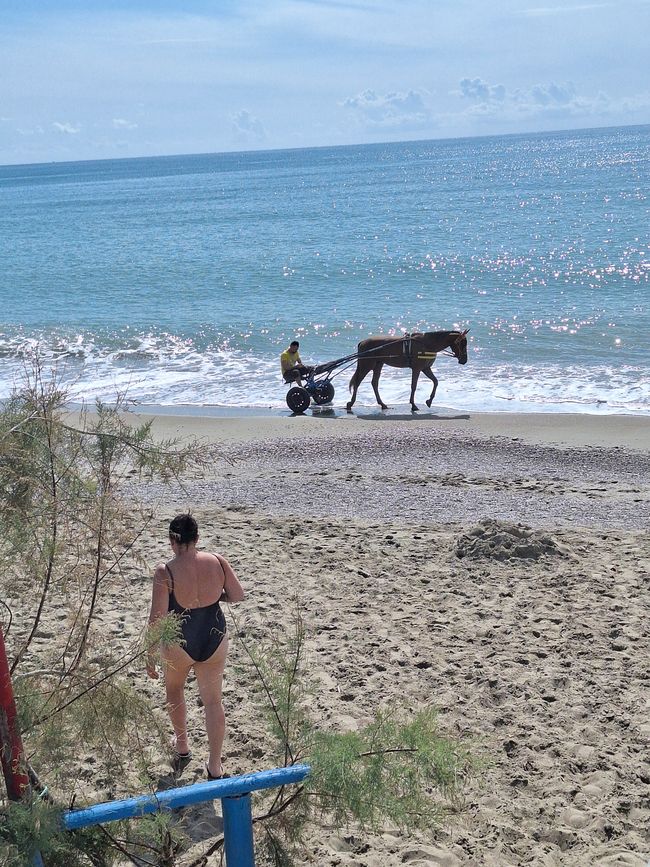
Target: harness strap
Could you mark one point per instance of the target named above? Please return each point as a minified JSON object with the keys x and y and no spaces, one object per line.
{"x":407,"y":348}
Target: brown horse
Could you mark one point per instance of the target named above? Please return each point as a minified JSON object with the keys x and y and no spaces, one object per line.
{"x":417,"y":351}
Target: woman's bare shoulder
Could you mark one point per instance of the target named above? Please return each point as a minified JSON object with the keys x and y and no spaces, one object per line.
{"x":160,"y":572}
{"x":209,"y":558}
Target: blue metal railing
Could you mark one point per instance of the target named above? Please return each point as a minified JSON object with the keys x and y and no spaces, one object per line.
{"x":235,"y":796}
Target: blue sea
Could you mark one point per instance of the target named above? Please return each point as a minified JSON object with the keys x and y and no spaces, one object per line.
{"x":179,"y":280}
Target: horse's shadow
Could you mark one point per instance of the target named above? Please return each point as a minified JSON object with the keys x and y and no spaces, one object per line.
{"x":383,"y":415}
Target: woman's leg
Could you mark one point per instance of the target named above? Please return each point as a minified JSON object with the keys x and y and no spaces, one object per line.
{"x":177,"y":666}
{"x":209,"y":675}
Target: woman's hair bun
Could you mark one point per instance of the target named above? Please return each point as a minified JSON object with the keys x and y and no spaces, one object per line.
{"x":183,"y":529}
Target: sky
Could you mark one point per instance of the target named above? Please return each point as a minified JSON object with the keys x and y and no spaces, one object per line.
{"x":86,"y":79}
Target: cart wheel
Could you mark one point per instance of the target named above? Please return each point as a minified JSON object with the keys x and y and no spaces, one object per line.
{"x":324,"y":392}
{"x":298,"y":399}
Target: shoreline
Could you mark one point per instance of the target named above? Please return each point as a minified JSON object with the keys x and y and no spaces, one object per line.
{"x":217,"y":424}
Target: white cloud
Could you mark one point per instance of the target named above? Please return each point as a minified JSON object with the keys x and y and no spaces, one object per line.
{"x":477,"y":89}
{"x":248,"y":127}
{"x":550,"y":101}
{"x":121,"y":123}
{"x":553,"y":94}
{"x":66,"y":128}
{"x":391,"y":110}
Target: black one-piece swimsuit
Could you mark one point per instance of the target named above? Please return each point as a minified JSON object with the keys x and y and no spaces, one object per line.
{"x":203,"y":628}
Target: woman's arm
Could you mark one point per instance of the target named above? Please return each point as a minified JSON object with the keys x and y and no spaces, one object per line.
{"x":159,"y":605}
{"x":232,"y":590}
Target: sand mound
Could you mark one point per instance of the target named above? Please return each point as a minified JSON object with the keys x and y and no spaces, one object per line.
{"x":502,"y":540}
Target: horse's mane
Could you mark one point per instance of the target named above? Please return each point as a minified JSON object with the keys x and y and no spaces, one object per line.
{"x":416,"y":334}
{"x":435,"y":333}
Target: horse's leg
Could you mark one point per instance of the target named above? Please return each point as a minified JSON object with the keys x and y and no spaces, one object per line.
{"x":375,"y":383}
{"x":363,"y":369}
{"x":429,"y":373}
{"x":354,"y":386}
{"x":415,"y":375}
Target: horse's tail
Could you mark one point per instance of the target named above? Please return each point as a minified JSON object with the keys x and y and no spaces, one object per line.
{"x":353,"y":380}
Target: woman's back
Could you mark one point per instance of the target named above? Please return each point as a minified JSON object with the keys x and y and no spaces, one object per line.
{"x":198,"y":579}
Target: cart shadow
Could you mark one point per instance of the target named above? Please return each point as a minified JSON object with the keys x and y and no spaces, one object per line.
{"x":329,"y":412}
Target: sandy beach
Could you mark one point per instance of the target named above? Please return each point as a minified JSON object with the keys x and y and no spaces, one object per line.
{"x":494,"y":567}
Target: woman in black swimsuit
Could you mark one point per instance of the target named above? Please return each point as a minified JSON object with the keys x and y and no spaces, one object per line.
{"x":191,"y":585}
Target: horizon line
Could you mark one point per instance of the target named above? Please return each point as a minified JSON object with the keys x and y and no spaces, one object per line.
{"x":328,"y":147}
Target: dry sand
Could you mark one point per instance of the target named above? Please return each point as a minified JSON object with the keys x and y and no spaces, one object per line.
{"x":495,"y":567}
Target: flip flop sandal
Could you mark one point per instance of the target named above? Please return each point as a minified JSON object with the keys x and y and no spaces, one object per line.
{"x":179,"y":761}
{"x":222,"y":776}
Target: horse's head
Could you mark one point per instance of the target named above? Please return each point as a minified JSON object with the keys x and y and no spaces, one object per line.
{"x":458,"y":345}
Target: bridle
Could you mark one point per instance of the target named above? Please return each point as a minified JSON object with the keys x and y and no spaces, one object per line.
{"x":454,"y":347}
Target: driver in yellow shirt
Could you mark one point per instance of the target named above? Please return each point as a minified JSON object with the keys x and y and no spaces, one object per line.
{"x":292,"y":367}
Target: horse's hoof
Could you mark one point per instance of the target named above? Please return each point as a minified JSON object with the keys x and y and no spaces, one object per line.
{"x":348,"y":407}
{"x":428,"y":403}
{"x":383,"y":406}
{"x":414,"y":408}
